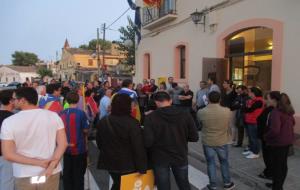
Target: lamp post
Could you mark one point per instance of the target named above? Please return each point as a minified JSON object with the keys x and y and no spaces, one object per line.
{"x":98,"y":53}
{"x":198,"y":16}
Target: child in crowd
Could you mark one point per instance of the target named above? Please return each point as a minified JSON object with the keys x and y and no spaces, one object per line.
{"x":75,"y":157}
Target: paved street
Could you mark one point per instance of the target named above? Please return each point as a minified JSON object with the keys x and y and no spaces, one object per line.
{"x":244,"y":171}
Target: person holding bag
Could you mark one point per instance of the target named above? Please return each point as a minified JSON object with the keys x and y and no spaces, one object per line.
{"x":120,"y":141}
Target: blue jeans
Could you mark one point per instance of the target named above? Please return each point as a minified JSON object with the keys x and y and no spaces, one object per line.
{"x":162,"y":177}
{"x":6,"y":175}
{"x":253,"y":139}
{"x":222,"y":153}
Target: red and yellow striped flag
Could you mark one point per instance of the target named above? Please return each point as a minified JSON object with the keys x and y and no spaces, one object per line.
{"x":153,"y":3}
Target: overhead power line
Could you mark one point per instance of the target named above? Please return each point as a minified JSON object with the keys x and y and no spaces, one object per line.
{"x":118,"y":18}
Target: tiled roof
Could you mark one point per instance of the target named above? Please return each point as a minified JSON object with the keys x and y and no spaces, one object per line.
{"x":22,"y":69}
{"x":84,"y":52}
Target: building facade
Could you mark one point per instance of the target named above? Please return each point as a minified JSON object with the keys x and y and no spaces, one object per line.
{"x":10,"y":73}
{"x":79,"y":64}
{"x":252,"y":42}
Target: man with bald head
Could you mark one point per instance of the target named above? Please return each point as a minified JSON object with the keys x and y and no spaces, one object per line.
{"x":186,"y":98}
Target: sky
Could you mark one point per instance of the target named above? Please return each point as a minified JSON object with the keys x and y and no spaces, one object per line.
{"x":41,"y":26}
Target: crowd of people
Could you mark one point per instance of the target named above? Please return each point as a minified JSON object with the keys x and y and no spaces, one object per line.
{"x":139,"y":127}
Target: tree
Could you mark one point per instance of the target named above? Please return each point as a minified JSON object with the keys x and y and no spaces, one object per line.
{"x":93,"y":43}
{"x":21,"y":58}
{"x":128,"y":33}
{"x":44,"y":72}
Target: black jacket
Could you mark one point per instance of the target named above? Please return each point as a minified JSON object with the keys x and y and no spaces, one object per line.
{"x":239,"y":105}
{"x":227,"y":100}
{"x":262,"y":122}
{"x":166,"y":134}
{"x":3,"y":115}
{"x":121,"y":145}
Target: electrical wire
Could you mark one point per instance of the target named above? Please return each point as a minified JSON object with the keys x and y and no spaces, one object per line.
{"x":118,"y":18}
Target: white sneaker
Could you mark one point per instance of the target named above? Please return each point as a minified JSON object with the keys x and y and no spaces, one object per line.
{"x":246,"y":153}
{"x":252,"y":156}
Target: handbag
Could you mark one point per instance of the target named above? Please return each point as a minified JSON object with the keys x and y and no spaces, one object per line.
{"x":138,"y":181}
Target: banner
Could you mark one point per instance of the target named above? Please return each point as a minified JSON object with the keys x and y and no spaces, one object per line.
{"x":137,"y":181}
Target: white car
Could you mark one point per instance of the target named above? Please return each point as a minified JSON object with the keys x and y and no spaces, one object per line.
{"x":3,"y":84}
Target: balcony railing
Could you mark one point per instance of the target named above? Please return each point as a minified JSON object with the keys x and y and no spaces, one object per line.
{"x":159,"y":15}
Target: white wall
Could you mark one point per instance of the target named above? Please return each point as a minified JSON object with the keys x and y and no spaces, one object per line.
{"x":8,"y":75}
{"x":23,"y":76}
{"x":161,"y":46}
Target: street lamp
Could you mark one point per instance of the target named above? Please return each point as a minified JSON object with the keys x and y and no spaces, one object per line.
{"x":96,"y":55}
{"x":197,"y":17}
{"x":128,"y":43}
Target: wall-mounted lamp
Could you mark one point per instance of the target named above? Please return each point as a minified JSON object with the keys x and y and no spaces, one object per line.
{"x":199,"y":17}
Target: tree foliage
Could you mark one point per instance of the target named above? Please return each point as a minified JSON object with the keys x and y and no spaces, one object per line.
{"x":44,"y":72}
{"x":128,"y":33}
{"x":93,"y":43}
{"x":21,"y":58}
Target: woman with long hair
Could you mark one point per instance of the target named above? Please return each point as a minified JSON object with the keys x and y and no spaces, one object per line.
{"x":271,"y":99}
{"x":119,"y":139}
{"x":279,"y":138}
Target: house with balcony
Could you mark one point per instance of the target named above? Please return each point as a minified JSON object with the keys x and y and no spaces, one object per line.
{"x":251,"y":42}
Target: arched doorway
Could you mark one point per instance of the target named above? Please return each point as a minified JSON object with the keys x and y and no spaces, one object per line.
{"x":249,"y":52}
{"x":277,"y":45}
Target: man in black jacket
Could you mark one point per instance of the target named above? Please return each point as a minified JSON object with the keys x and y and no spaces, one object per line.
{"x":167,"y":132}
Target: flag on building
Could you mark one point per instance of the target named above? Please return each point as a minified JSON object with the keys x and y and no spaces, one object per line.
{"x":137,"y":20}
{"x":153,"y":3}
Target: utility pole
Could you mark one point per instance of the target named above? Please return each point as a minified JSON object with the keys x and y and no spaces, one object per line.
{"x":103,"y":50}
{"x":98,"y":53}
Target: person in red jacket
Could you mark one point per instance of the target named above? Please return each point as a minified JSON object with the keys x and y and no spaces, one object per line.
{"x":279,"y":138}
{"x":254,"y":107}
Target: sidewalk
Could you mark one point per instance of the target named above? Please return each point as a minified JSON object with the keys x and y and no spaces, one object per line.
{"x":246,"y":170}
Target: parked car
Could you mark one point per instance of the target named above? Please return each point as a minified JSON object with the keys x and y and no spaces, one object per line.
{"x":14,"y":84}
{"x":3,"y":84}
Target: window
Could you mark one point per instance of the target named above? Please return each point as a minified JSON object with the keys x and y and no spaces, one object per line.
{"x":182,"y":62}
{"x":250,"y":57}
{"x":147,"y":66}
{"x":90,"y":62}
{"x":6,"y":79}
{"x":14,"y":79}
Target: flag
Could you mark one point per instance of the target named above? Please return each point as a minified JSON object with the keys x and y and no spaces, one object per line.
{"x":135,"y":109}
{"x":152,"y":3}
{"x":131,"y":4}
{"x":137,"y":19}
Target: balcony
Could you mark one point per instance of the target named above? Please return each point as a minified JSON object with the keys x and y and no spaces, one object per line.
{"x":154,"y":17}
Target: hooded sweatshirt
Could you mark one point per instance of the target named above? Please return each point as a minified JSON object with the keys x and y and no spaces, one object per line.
{"x":167,"y":132}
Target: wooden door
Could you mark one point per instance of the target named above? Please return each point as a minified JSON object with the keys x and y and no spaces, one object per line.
{"x":217,"y":68}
